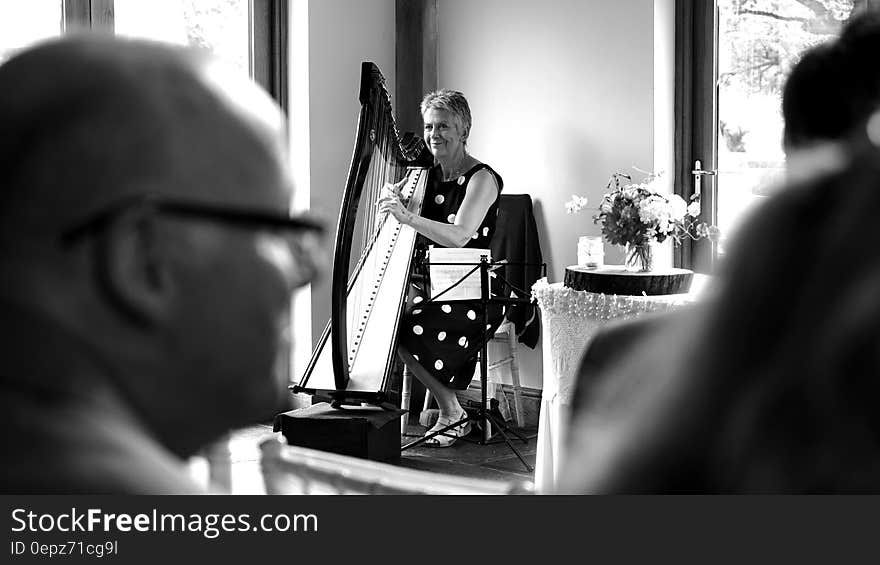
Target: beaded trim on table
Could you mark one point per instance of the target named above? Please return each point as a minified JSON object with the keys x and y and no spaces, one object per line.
{"x":564,"y":300}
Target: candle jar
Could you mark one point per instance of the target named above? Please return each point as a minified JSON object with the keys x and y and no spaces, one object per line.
{"x":591,"y":252}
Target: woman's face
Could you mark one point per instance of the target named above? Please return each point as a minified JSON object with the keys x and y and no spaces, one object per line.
{"x":443,"y":133}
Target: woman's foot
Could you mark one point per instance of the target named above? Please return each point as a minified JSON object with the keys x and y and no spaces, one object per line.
{"x":450,"y":436}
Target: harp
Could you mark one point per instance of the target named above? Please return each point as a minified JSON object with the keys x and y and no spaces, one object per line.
{"x":354,"y":356}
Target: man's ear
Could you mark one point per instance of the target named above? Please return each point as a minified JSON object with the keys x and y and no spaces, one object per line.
{"x":133,"y":267}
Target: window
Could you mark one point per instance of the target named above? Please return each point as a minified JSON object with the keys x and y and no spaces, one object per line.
{"x":249,"y":34}
{"x":221,"y":26}
{"x":23,"y":23}
{"x":733,"y":59}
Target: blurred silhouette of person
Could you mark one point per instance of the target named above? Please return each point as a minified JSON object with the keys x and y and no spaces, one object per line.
{"x":728,"y":397}
{"x":147,"y":260}
{"x":829,"y":96}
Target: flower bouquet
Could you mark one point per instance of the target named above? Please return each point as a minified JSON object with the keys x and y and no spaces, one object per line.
{"x":637,"y":214}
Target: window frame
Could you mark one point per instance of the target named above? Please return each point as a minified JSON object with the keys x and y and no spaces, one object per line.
{"x":696,"y":116}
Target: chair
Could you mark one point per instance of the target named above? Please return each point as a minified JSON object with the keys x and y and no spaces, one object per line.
{"x":506,"y":335}
{"x":291,"y":469}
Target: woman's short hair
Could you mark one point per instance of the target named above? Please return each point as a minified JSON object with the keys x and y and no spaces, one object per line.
{"x":453,"y":102}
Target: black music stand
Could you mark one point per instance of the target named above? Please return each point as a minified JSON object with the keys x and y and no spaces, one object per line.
{"x":485,"y":415}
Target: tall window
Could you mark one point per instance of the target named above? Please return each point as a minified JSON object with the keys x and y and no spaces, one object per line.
{"x":734,"y":59}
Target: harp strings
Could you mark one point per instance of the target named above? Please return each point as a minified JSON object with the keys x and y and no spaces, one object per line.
{"x":386,"y":166}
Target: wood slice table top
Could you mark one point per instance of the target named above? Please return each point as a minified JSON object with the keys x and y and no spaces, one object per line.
{"x":615,"y":279}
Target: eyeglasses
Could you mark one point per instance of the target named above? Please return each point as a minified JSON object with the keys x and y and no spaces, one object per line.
{"x":243,"y":217}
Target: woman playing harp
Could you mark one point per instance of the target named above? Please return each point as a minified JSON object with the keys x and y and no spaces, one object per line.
{"x":438,"y":340}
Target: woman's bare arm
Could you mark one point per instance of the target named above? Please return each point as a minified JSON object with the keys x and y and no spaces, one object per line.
{"x":481,"y":193}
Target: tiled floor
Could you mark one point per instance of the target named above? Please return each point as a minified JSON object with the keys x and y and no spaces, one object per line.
{"x":496,"y":460}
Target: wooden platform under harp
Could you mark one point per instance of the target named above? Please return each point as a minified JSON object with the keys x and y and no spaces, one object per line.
{"x":355,"y":355}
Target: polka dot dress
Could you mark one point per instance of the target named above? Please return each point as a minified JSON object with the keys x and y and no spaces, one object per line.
{"x":445,"y":337}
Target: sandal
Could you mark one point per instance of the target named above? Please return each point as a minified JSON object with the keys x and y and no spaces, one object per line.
{"x":450,"y":436}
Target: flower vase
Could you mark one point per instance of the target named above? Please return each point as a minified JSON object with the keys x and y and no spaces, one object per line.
{"x":639,"y":257}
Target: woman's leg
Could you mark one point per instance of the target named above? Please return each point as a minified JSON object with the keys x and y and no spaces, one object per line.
{"x":447,"y":401}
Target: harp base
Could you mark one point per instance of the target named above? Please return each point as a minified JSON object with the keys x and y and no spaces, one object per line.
{"x":367,"y":432}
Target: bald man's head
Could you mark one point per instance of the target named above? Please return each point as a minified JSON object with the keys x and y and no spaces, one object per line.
{"x":89,"y":120}
{"x":178,"y":305}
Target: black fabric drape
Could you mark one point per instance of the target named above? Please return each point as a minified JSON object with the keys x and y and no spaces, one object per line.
{"x":516,"y":239}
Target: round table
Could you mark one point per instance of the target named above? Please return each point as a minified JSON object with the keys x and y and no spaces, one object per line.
{"x":615,"y":279}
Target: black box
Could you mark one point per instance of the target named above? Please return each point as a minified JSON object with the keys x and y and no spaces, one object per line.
{"x":367,"y":432}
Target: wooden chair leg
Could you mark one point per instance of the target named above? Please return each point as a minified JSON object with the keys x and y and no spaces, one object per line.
{"x":519,"y":416}
{"x":405,"y":393}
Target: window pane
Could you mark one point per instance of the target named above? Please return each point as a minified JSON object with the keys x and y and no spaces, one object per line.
{"x":220,"y":26}
{"x":758,"y":43}
{"x":23,"y":23}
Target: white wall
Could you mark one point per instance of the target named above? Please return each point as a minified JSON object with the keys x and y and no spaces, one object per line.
{"x":561,"y":93}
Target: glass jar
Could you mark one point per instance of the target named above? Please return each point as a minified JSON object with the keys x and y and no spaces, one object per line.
{"x":591,"y":252}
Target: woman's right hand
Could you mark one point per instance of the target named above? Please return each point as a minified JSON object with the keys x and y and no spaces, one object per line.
{"x":393,"y":189}
{"x":391,"y":201}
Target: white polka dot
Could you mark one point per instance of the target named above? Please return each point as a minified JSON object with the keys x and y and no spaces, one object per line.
{"x":485,"y":231}
{"x":417,"y":299}
{"x":417,"y":311}
{"x":472,"y":315}
{"x":418,"y":330}
{"x":441,"y":336}
{"x":462,"y":341}
{"x":461,"y":179}
{"x":446,"y":308}
{"x":438,"y":364}
{"x":488,"y":326}
{"x":450,"y":218}
{"x":439,"y":199}
{"x":475,"y":236}
{"x":416,"y":357}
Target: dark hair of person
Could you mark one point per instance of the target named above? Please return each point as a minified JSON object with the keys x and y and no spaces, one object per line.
{"x":835,"y":86}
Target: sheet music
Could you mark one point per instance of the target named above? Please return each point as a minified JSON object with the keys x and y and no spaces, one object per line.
{"x":444,"y":276}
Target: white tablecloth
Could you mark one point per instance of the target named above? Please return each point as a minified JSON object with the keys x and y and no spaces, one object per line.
{"x":570,"y":318}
